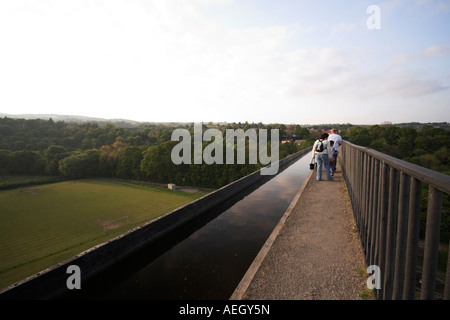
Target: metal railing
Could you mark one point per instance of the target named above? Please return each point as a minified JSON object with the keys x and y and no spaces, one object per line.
{"x":386,"y":196}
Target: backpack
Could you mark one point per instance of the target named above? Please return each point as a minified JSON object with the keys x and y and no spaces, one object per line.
{"x":320,"y":147}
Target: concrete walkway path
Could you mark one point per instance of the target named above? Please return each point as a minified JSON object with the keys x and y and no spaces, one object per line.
{"x":314,"y":253}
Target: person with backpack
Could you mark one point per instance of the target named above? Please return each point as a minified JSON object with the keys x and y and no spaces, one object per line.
{"x":323,"y":154}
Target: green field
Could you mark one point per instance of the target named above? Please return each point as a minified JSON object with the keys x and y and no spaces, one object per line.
{"x":43,"y":225}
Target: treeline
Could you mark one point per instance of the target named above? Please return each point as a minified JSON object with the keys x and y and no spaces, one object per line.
{"x":427,"y":146}
{"x":38,"y":135}
{"x":36,"y":147}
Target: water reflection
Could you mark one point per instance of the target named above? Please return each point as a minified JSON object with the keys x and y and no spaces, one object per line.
{"x":209,"y":262}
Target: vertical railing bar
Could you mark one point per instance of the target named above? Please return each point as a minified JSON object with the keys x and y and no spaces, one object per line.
{"x":343,"y":164}
{"x":447,"y":277}
{"x":413,"y":239}
{"x":354,"y":194}
{"x":379,"y":208}
{"x":353,"y":166}
{"x":360,"y":196}
{"x":361,"y":204}
{"x":431,"y":246}
{"x":391,"y":229}
{"x":366,"y":203}
{"x":355,"y":187}
{"x":370,"y":211}
{"x":402,"y":231}
{"x":375,"y":212}
{"x":351,"y":152}
{"x":358,"y":190}
{"x":384,"y":195}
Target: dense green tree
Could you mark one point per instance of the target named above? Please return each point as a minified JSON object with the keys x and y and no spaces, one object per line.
{"x":379,"y":144}
{"x":129,"y":163}
{"x":5,"y":160}
{"x":26,"y":162}
{"x":157,"y":164}
{"x":288,"y":148}
{"x":391,"y":134}
{"x":52,"y":156}
{"x":360,"y":136}
{"x":302,"y":133}
{"x":80,"y":164}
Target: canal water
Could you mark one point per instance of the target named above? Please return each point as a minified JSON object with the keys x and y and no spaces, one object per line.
{"x":209,"y":256}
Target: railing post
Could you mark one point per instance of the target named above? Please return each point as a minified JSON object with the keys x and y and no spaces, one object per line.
{"x":374,"y":238}
{"x":357,"y":189}
{"x":390,"y":236}
{"x":366,"y":185}
{"x":413,"y":239}
{"x":447,"y":277}
{"x":376,"y":183}
{"x":379,"y":208}
{"x":369,"y":211}
{"x":402,"y":228}
{"x":384,"y":194}
{"x":432,"y":234}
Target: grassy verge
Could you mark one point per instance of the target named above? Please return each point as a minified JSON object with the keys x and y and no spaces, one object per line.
{"x":42,"y":225}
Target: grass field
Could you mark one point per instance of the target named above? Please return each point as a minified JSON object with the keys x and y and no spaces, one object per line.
{"x":43,"y":225}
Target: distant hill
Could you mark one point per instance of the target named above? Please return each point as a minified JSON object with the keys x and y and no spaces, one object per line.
{"x":81,"y":119}
{"x":418,"y":125}
{"x":59,"y":117}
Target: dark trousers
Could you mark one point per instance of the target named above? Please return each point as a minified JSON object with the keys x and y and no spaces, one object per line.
{"x":333,"y":164}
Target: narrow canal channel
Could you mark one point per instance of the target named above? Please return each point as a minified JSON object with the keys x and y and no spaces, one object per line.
{"x":208,"y":258}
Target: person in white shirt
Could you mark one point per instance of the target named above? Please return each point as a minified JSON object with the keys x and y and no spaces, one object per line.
{"x":337,"y":139}
{"x":323,"y":156}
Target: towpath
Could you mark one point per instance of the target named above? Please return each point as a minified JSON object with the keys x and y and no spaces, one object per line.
{"x":314,"y":253}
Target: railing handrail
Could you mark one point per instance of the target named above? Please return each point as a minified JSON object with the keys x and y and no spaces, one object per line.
{"x":438,"y":180}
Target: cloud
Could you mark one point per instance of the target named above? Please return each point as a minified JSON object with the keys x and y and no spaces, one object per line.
{"x":401,"y":84}
{"x":342,"y":28}
{"x":438,"y":6}
{"x":437,"y":51}
{"x":335,"y":73}
{"x":434,"y":7}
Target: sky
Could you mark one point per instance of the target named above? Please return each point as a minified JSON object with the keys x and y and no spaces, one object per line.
{"x":283,"y":61}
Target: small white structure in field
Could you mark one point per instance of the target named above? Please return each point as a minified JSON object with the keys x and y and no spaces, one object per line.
{"x":171,"y":186}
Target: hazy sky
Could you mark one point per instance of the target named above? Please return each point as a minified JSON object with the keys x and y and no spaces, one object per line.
{"x":285,"y":61}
